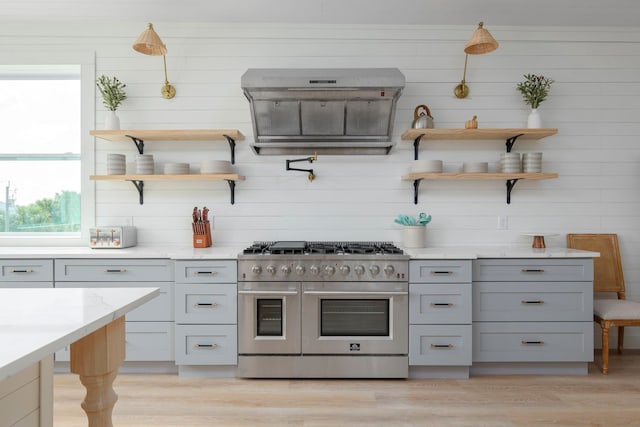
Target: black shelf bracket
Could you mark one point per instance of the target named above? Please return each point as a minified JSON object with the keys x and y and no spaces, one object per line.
{"x":140,"y":187}
{"x":416,"y":186}
{"x":138,"y":142}
{"x":416,"y":146}
{"x":232,"y":147}
{"x":510,"y":184}
{"x":232,"y":189}
{"x":511,"y":141}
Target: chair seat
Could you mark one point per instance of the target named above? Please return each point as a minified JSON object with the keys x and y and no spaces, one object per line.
{"x":609,"y":309}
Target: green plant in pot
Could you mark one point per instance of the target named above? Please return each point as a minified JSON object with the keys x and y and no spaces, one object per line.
{"x":113,"y":94}
{"x":534,"y":90}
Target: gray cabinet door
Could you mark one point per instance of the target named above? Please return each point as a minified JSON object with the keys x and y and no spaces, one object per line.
{"x":533,"y":270}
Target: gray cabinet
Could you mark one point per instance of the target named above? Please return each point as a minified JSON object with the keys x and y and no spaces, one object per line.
{"x":29,"y":273}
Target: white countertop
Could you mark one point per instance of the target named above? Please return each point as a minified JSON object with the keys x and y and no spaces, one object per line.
{"x":34,"y":323}
{"x":475,"y":252}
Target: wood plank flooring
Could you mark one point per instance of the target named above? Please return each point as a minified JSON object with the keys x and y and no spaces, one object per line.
{"x":496,"y":401}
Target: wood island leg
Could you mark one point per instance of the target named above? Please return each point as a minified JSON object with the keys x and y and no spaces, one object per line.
{"x":96,"y":358}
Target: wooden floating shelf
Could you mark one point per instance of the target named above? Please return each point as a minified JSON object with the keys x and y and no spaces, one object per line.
{"x":478,"y":134}
{"x":169,"y":135}
{"x":476,"y":176}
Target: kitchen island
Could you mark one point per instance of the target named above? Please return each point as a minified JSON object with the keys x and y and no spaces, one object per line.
{"x":34,"y":323}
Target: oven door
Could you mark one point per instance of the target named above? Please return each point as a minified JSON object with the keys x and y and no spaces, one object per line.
{"x":355,"y":318}
{"x":268,"y":318}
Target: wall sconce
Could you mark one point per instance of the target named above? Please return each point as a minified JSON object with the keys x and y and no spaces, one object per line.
{"x":480,"y":42}
{"x":149,"y":43}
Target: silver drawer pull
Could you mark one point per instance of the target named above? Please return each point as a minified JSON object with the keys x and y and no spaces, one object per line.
{"x":532,"y":270}
{"x":525,"y":342}
{"x":206,"y":304}
{"x":206,"y":346}
{"x":28,"y":270}
{"x":441,"y":273}
{"x":442,"y":346}
{"x":115,"y":270}
{"x":441,"y":304}
{"x":203,"y":273}
{"x":532,"y":302}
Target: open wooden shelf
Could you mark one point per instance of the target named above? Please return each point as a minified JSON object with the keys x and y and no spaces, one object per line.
{"x":478,"y":134}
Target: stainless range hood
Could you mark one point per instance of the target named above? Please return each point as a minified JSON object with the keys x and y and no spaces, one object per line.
{"x":328,"y":111}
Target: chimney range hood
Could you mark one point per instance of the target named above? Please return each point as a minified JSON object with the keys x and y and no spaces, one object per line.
{"x":328,"y":111}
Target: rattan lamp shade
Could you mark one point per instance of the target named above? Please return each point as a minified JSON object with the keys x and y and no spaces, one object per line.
{"x":149,"y":43}
{"x":480,"y":42}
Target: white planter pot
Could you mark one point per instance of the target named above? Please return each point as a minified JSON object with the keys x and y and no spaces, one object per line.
{"x":414,"y":236}
{"x":112,"y":121}
{"x":534,"y":121}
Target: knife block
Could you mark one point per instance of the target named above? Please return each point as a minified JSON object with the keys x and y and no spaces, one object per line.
{"x":203,"y":240}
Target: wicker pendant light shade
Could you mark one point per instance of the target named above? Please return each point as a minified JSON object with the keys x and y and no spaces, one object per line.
{"x":149,"y":43}
{"x":480,"y":42}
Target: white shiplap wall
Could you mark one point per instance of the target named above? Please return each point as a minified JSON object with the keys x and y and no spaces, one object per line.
{"x":595,"y":104}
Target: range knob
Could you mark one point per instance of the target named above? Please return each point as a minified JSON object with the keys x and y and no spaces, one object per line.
{"x":329,"y":270}
{"x":314,"y":270}
{"x":388,"y":270}
{"x":344,"y":269}
{"x":359,"y":269}
{"x":299,"y":270}
{"x":271,"y":269}
{"x":256,"y":269}
{"x":286,"y":269}
{"x":375,"y":270}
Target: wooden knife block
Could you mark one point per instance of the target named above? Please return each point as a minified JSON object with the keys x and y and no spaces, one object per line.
{"x":203,"y":240}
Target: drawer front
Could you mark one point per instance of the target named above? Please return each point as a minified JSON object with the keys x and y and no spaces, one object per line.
{"x":440,"y":271}
{"x":145,"y":342}
{"x":158,"y":309}
{"x":440,"y":304}
{"x":210,"y":271}
{"x":533,"y":270}
{"x":533,"y":342}
{"x":527,"y":301}
{"x":440,"y":345}
{"x":32,"y":270}
{"x":206,"y":304}
{"x":26,"y":285}
{"x":206,"y":345}
{"x":114,"y":270}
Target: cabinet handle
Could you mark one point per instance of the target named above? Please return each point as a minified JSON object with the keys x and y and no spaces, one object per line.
{"x":532,"y":270}
{"x":441,"y":304}
{"x":210,"y":273}
{"x":28,"y":270}
{"x":538,"y":302}
{"x":206,"y":304}
{"x":115,"y":270}
{"x":442,"y":346}
{"x":525,"y":342}
{"x":206,"y":346}
{"x":441,"y":273}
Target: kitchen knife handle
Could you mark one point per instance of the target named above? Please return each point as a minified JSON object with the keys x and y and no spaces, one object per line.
{"x":206,"y":346}
{"x":28,"y":270}
{"x":532,"y":270}
{"x":115,"y":270}
{"x":206,"y":304}
{"x":527,"y":342}
{"x":537,"y":302}
{"x":210,"y":273}
{"x":442,"y":346}
{"x":441,"y":273}
{"x":441,"y":304}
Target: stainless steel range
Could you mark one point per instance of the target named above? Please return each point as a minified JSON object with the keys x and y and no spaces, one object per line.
{"x":323,"y":310}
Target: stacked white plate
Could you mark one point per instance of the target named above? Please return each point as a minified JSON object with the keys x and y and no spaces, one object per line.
{"x":176,"y":168}
{"x":510,"y":163}
{"x":116,"y":164}
{"x":216,"y":166}
{"x":532,"y":162}
{"x":475,"y":167}
{"x":425,"y":165}
{"x":144,"y":164}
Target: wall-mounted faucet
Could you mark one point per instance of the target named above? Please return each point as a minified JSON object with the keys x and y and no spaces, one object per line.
{"x":310,"y":159}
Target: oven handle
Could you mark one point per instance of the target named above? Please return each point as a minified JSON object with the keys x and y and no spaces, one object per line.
{"x":268,"y":292}
{"x":353,"y":293}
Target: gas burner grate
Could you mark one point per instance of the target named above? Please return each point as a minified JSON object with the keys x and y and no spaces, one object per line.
{"x":330,"y":248}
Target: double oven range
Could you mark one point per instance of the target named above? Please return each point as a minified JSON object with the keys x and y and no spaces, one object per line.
{"x":323,"y":310}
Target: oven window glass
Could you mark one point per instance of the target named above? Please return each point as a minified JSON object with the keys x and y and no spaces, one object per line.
{"x":354,"y":317}
{"x":269,"y":317}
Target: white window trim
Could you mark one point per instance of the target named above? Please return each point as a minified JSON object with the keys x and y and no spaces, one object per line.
{"x":86,"y":60}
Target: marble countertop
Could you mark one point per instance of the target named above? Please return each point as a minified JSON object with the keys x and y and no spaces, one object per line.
{"x":475,"y":252}
{"x":34,"y":323}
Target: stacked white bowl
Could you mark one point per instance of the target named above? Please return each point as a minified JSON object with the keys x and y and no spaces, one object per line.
{"x":475,"y":167}
{"x":425,"y":165}
{"x":116,"y":164}
{"x":532,"y":162}
{"x":144,"y":164}
{"x":510,"y":163}
{"x":216,"y":166}
{"x":176,"y":168}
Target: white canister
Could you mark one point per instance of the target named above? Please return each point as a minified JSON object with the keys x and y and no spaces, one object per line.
{"x":144,"y":164}
{"x":414,"y":236}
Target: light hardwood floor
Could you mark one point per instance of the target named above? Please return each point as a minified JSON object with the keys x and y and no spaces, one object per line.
{"x":496,"y":401}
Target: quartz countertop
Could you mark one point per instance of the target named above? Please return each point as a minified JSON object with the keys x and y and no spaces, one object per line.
{"x":475,"y":252}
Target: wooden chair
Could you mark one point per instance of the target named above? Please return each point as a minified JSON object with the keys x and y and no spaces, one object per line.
{"x":608,"y":277}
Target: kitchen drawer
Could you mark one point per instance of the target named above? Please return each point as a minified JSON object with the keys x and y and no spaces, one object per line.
{"x":533,"y":270}
{"x":114,"y":270}
{"x":533,"y":342}
{"x":440,"y":345}
{"x":31,"y":270}
{"x":210,"y":271}
{"x":206,"y":345}
{"x":145,"y":342}
{"x":206,"y":303}
{"x":440,"y":271}
{"x":26,"y":285}
{"x":159,"y":308}
{"x":527,"y":301}
{"x":440,"y":304}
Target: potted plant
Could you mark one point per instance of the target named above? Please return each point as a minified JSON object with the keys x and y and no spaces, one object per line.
{"x":534,"y":90}
{"x":112,"y":91}
{"x":413,"y":233}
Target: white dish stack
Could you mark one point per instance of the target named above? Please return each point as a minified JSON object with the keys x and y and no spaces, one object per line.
{"x":116,"y":164}
{"x":176,"y":168}
{"x":144,"y":164}
{"x":510,"y":163}
{"x":430,"y":166}
{"x":215,"y":166}
{"x":532,"y":162}
{"x":475,"y":167}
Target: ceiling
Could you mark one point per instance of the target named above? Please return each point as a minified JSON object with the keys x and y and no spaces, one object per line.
{"x":416,"y":12}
